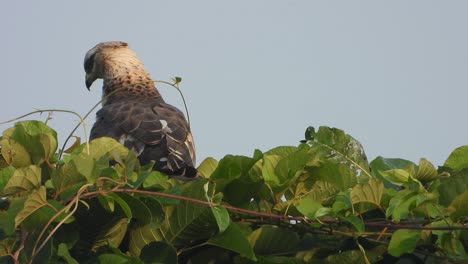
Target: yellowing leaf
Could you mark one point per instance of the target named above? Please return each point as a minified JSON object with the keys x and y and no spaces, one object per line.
{"x":207,"y":167}
{"x":33,"y":203}
{"x":370,"y":192}
{"x":426,"y":171}
{"x":23,"y":179}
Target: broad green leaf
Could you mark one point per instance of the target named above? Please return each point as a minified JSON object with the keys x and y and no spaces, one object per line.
{"x":355,"y":222}
{"x":308,"y":207}
{"x":404,"y":202}
{"x":105,"y":147}
{"x":380,"y":164}
{"x":370,"y":192}
{"x":281,"y":151}
{"x":138,"y":208}
{"x":37,"y":207}
{"x":233,"y":239}
{"x":158,"y":252}
{"x":5,"y":175}
{"x":7,"y":219}
{"x":450,"y":240}
{"x":397,"y":176}
{"x":23,"y":179}
{"x":403,"y":241}
{"x":221,"y":216}
{"x":155,"y":179}
{"x":289,"y":167}
{"x":187,"y":221}
{"x":459,"y":206}
{"x":232,"y":177}
{"x":39,"y":139}
{"x":426,"y":171}
{"x":13,"y":152}
{"x":112,"y":234}
{"x":121,"y":202}
{"x":230,"y":168}
{"x":451,"y":187}
{"x":270,"y":239}
{"x":63,"y":252}
{"x":67,"y":180}
{"x":342,"y":202}
{"x":458,"y":159}
{"x":207,"y":167}
{"x":337,"y":147}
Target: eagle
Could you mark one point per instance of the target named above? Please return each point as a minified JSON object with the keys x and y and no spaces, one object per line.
{"x":135,"y":114}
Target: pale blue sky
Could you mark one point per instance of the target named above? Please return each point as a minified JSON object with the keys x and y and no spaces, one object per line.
{"x":393,"y":74}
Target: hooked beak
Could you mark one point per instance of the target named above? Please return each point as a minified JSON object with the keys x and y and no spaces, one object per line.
{"x":89,"y":80}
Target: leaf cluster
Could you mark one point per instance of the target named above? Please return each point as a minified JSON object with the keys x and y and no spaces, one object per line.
{"x":318,"y":202}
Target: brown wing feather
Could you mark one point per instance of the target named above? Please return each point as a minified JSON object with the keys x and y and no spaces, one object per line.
{"x":154,"y":130}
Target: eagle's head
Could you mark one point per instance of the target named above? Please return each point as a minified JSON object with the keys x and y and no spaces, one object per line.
{"x":108,"y":60}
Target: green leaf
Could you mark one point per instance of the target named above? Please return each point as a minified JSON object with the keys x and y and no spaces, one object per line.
{"x":403,"y":241}
{"x":308,"y":207}
{"x":370,"y":192}
{"x":343,"y":151}
{"x":426,"y":171}
{"x":270,"y":239}
{"x":397,"y":176}
{"x":36,"y":209}
{"x":158,"y":252}
{"x":221,"y":216}
{"x":13,"y":152}
{"x":39,"y":140}
{"x":186,"y":222}
{"x":105,"y":147}
{"x":139,"y":210}
{"x":380,"y":164}
{"x":23,"y":179}
{"x":233,"y":239}
{"x":5,"y":175}
{"x":67,"y":180}
{"x":451,"y":187}
{"x":230,"y":168}
{"x":207,"y":167}
{"x":7,"y":219}
{"x":355,"y":222}
{"x":282,"y":171}
{"x":459,"y":206}
{"x":63,"y":252}
{"x":155,"y":179}
{"x":458,"y":159}
{"x":112,"y":234}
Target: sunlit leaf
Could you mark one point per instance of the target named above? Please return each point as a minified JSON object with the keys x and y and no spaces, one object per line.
{"x":370,"y":192}
{"x":426,"y":171}
{"x":340,"y":148}
{"x":207,"y":167}
{"x":13,"y":152}
{"x":458,"y":159}
{"x":308,"y":207}
{"x":23,"y":179}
